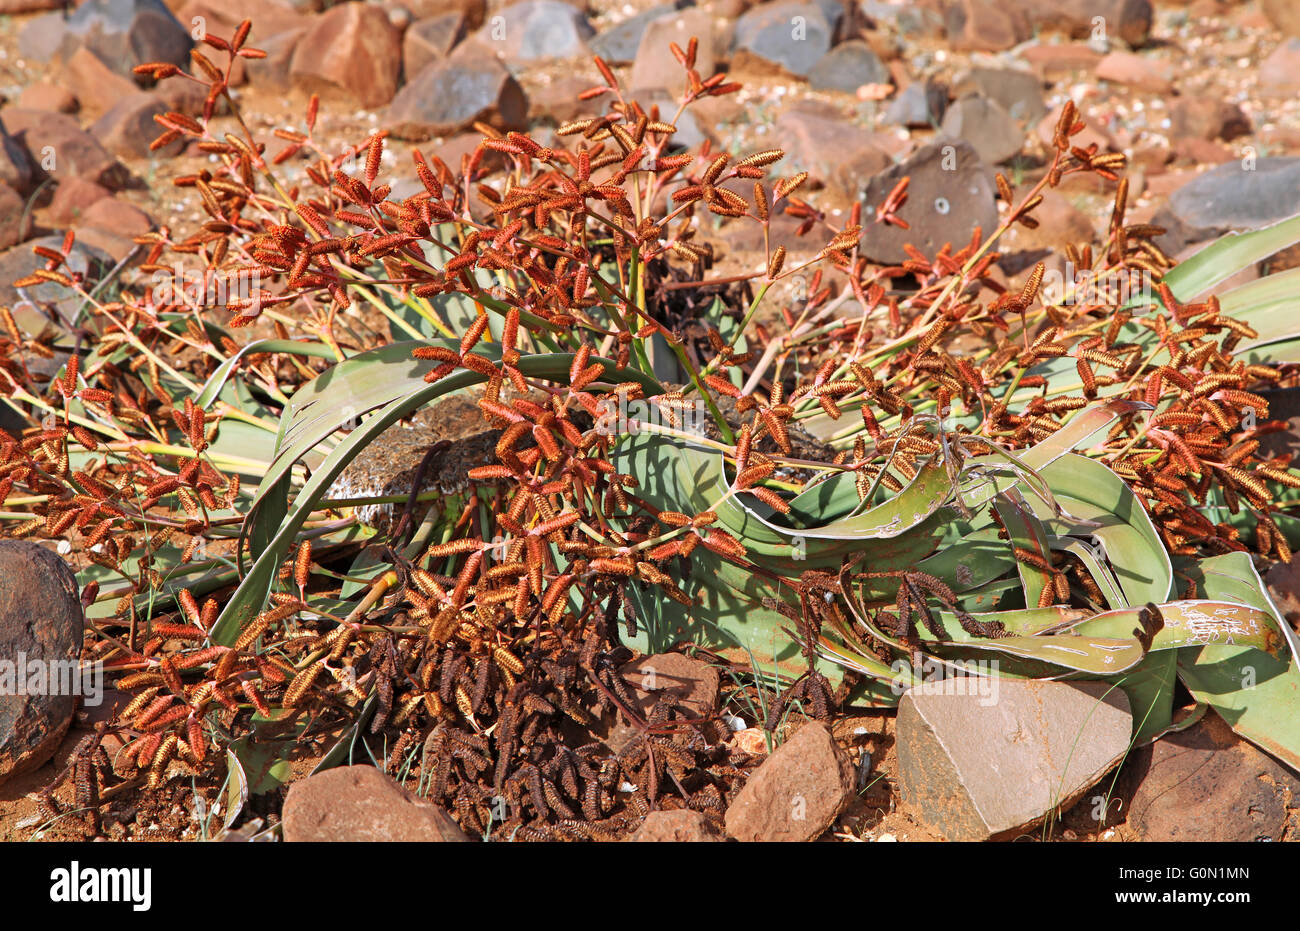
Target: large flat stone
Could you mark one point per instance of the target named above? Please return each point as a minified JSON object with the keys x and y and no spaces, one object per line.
{"x":982,"y":765}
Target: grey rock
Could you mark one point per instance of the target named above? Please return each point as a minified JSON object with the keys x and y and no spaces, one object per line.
{"x":1020,"y":93}
{"x":1233,"y":196}
{"x":986,"y":126}
{"x":791,"y":34}
{"x":847,"y":67}
{"x":950,"y":193}
{"x":910,"y":19}
{"x":41,"y":36}
{"x":126,"y":33}
{"x":921,"y":104}
{"x":451,"y":95}
{"x":41,"y":624}
{"x":427,"y":40}
{"x":977,"y":766}
{"x":40,"y":305}
{"x":618,"y":44}
{"x":536,"y":30}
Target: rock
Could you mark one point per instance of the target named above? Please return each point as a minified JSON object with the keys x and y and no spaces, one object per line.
{"x":909,"y":19}
{"x":690,"y":132}
{"x":985,"y":25}
{"x":682,"y":825}
{"x":15,"y":167}
{"x":15,"y":226}
{"x":60,"y":148}
{"x":618,"y":45}
{"x":948,"y":196}
{"x":41,"y":622}
{"x":557,"y":101}
{"x":655,"y":65}
{"x":975,"y":766}
{"x":1129,"y":20}
{"x":1233,"y":196}
{"x":41,"y":37}
{"x":995,"y":136}
{"x":45,"y":96}
{"x":18,"y":262}
{"x":1279,"y":73}
{"x":797,"y":792}
{"x":431,"y":39}
{"x":536,"y":30}
{"x":1058,"y":62}
{"x":72,"y":198}
{"x":1059,"y":223}
{"x":448,"y":96}
{"x":847,"y":67}
{"x":109,"y":213}
{"x":691,"y":683}
{"x":1093,"y":132}
{"x":352,"y":54}
{"x":128,"y":128}
{"x":98,"y":86}
{"x":474,"y":11}
{"x":1020,"y":93}
{"x":126,"y":33}
{"x":1202,"y":117}
{"x":921,"y":104}
{"x":222,"y":17}
{"x":359,"y":803}
{"x":272,"y":73}
{"x":1134,"y":71}
{"x":1283,"y":14}
{"x":1207,"y":784}
{"x":839,"y":154}
{"x":789,"y":34}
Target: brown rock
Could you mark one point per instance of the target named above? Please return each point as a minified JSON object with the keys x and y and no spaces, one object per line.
{"x":116,"y":216}
{"x":45,"y":96}
{"x":452,"y":95}
{"x":798,"y":791}
{"x":1207,"y":784}
{"x":129,"y":127}
{"x":359,"y":803}
{"x":1137,"y":72}
{"x":691,"y":683}
{"x":676,"y":827}
{"x":72,"y":198}
{"x":10,"y":7}
{"x":1059,"y":223}
{"x":1279,"y":73}
{"x":1092,"y":132}
{"x":986,"y":25}
{"x":1283,"y":14}
{"x":1205,"y":117}
{"x":222,"y":17}
{"x":474,"y":11}
{"x":40,"y":620}
{"x":1056,"y":62}
{"x":98,"y":86}
{"x":986,"y":126}
{"x":15,"y":226}
{"x":839,"y":154}
{"x":58,"y":147}
{"x":655,"y":65}
{"x":352,"y":54}
{"x":1129,"y":20}
{"x":977,"y":766}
